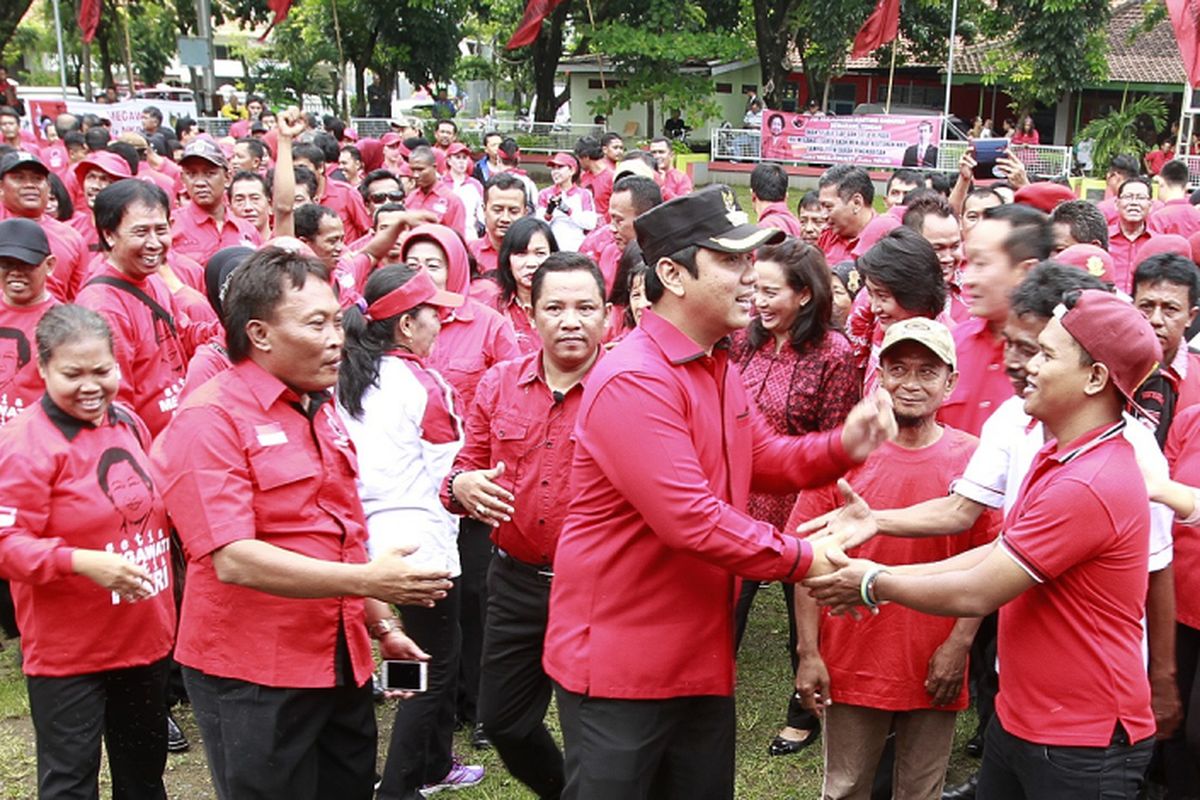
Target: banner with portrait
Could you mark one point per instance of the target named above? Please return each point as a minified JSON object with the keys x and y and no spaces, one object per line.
{"x":869,"y":140}
{"x":123,"y":116}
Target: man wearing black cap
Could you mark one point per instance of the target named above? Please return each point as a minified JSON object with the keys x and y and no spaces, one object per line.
{"x":640,"y":632}
{"x":24,"y":192}
{"x":25,"y":262}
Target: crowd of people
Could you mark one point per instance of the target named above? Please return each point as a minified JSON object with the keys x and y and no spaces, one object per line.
{"x":552,"y":442}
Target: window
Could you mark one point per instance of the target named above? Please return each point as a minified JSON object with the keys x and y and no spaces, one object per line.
{"x":724,"y":88}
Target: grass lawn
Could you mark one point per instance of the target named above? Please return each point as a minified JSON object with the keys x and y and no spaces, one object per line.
{"x":762,"y":693}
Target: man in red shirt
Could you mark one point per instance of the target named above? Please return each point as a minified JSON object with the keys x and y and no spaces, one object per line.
{"x":24,"y":192}
{"x":341,"y":197}
{"x":25,"y":261}
{"x":259,"y":478}
{"x":522,"y":493}
{"x":1160,"y":155}
{"x":1078,"y":222}
{"x":1001,"y":249}
{"x":932,"y":217}
{"x":433,"y":195}
{"x":613,"y":147}
{"x":632,"y":196}
{"x":1129,"y":233}
{"x":899,"y":184}
{"x":666,"y":445}
{"x":846,"y":194}
{"x":596,"y":174}
{"x":1177,"y":214}
{"x":503,"y":203}
{"x":1069,"y":573}
{"x":768,"y":193}
{"x":898,"y":670}
{"x":1122,"y":168}
{"x":673,"y":182}
{"x":445,"y":133}
{"x":205,"y":224}
{"x":98,"y":171}
{"x":1166,"y":289}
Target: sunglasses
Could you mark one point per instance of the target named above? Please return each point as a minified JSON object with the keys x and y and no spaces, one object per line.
{"x":383,"y":197}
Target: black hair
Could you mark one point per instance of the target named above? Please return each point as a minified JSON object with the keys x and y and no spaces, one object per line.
{"x":810,"y":200}
{"x":849,"y":180}
{"x":308,"y":178}
{"x":58,"y":190}
{"x":127,"y":152}
{"x":328,"y":145}
{"x":413,"y":142}
{"x":490,"y":134}
{"x":307,"y":219}
{"x":644,"y":193}
{"x":73,"y":139}
{"x":1086,"y":222}
{"x":1174,"y":173}
{"x":1044,"y":286}
{"x":334,"y":128}
{"x":115,"y":199}
{"x":565,"y":262}
{"x":367,"y":340}
{"x":217,"y":273}
{"x":983,"y":191}
{"x":247,"y":175}
{"x":113,"y":456}
{"x":926,"y":204}
{"x":505,"y":182}
{"x":309,"y":152}
{"x":182,"y":126}
{"x":352,"y":150}
{"x":1169,"y":268}
{"x":449,"y":122}
{"x":769,"y":182}
{"x":905,"y":176}
{"x":257,"y":288}
{"x":65,"y":323}
{"x":371,"y":177}
{"x":905,"y":264}
{"x":589,"y":147}
{"x":804,"y":267}
{"x":1031,"y":236}
{"x":24,"y":353}
{"x":1125,"y":165}
{"x":256,"y":147}
{"x":96,"y":138}
{"x":388,"y":208}
{"x":609,"y":138}
{"x":938,"y":182}
{"x":516,"y":240}
{"x":154,"y":112}
{"x":631,"y":259}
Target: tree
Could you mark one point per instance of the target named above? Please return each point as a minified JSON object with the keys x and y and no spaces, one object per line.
{"x":1116,"y":133}
{"x":11,"y":12}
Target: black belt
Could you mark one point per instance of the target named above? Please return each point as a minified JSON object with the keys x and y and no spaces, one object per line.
{"x":543,"y":571}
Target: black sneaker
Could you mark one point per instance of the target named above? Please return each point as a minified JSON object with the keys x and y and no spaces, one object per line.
{"x":176,"y":741}
{"x":479,"y":739}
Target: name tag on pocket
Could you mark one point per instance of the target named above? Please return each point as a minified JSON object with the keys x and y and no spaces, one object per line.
{"x":269,"y":435}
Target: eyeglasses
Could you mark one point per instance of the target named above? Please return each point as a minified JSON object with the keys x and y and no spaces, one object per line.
{"x":383,"y":197}
{"x":1135,"y":198}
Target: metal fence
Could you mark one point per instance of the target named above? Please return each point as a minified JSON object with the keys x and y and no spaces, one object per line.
{"x":744,"y":144}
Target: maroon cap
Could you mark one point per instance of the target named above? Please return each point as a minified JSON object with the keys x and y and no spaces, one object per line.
{"x":1093,"y":260}
{"x":1165,"y":243}
{"x":456,"y":148}
{"x":391,"y":138}
{"x":1115,"y":334}
{"x":562,"y":160}
{"x":1044,"y":195}
{"x":107,"y":162}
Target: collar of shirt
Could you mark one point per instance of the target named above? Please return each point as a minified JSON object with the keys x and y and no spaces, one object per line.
{"x":1083,"y":444}
{"x":198,"y":216}
{"x":1179,"y":364}
{"x":676,"y":345}
{"x":536,"y":371}
{"x":1115,"y":231}
{"x":407,"y":355}
{"x":70,"y":426}
{"x":464,"y":313}
{"x":267,"y":389}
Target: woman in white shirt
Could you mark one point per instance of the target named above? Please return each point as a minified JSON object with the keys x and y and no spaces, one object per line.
{"x":568,"y":208}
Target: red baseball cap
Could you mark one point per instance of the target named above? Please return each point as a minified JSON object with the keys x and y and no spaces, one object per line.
{"x":1115,"y":334}
{"x":1091,"y":259}
{"x":417,"y":290}
{"x":391,"y":138}
{"x":107,"y":162}
{"x":1165,"y":243}
{"x":1044,"y":195}
{"x":562,"y":160}
{"x":456,"y":148}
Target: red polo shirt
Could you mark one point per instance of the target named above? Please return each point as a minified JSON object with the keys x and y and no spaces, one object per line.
{"x":594,"y":243}
{"x":349,"y":205}
{"x":673,"y":183}
{"x":1176,"y":216}
{"x":1125,"y":254}
{"x":70,"y":256}
{"x":245,"y":462}
{"x":1070,"y":647}
{"x":515,"y":419}
{"x":20,"y":383}
{"x":194,"y":233}
{"x":982,"y":382}
{"x":486,"y":256}
{"x":778,"y":215}
{"x":50,"y":482}
{"x":1183,"y":454}
{"x":835,"y":248}
{"x":600,"y":184}
{"x":441,"y":200}
{"x":667,"y":445}
{"x":528,"y":340}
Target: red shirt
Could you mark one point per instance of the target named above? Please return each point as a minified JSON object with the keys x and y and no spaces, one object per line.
{"x":667,"y":445}
{"x":1176,"y":216}
{"x":49,"y":474}
{"x":194,"y":233}
{"x":882,"y":661}
{"x":20,"y":383}
{"x":153,"y":359}
{"x":245,"y":462}
{"x":1108,"y":207}
{"x":673,"y":183}
{"x":1184,"y":371}
{"x":1070,"y":647}
{"x":1125,"y":254}
{"x":515,"y":419}
{"x":441,"y":200}
{"x":594,"y":243}
{"x":600,"y":184}
{"x":835,"y":248}
{"x":70,"y":256}
{"x":1154,"y":161}
{"x":1183,"y":454}
{"x":349,"y":205}
{"x":486,"y":256}
{"x":778,"y":215}
{"x":528,"y":340}
{"x":874,"y":230}
{"x":983,"y":383}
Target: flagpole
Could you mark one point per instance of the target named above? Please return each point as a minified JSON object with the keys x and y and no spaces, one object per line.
{"x":887,"y":109}
{"x":950,"y":66}
{"x":62,"y":61}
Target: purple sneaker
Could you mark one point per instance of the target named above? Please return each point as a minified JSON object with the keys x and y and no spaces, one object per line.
{"x":460,"y":776}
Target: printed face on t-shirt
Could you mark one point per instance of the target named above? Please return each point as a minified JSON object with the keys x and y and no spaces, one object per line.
{"x":10,"y":360}
{"x":129,"y":491}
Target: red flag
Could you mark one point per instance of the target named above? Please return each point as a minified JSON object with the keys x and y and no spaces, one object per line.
{"x":281,"y":9}
{"x":89,"y":18}
{"x":531,"y":23}
{"x":880,"y":28}
{"x":1185,"y":18}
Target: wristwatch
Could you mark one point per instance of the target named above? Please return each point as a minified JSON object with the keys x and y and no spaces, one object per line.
{"x":382,"y":627}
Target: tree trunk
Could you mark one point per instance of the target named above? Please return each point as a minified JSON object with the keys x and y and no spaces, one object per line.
{"x":360,"y":90}
{"x":11,"y":12}
{"x":547,"y":50}
{"x":771,"y":39}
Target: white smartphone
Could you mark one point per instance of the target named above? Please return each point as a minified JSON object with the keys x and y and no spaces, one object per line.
{"x":405,"y":676}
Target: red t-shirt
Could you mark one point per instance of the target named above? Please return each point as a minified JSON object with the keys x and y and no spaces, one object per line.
{"x":441,"y":200}
{"x":194,"y":233}
{"x":835,"y":248}
{"x":1176,"y":216}
{"x":1070,"y":647}
{"x":674,"y":183}
{"x":982,"y":382}
{"x":349,"y":205}
{"x":486,"y":256}
{"x":882,"y":661}
{"x":528,"y":340}
{"x":51,"y":468}
{"x":243,"y":462}
{"x":1183,"y":454}
{"x":600,"y":184}
{"x":20,"y":383}
{"x":778,"y":215}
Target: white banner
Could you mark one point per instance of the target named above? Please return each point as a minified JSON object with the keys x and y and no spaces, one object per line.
{"x":124,"y":116}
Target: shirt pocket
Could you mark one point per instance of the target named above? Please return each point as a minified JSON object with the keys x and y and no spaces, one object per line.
{"x":511,"y":443}
{"x":276,"y":468}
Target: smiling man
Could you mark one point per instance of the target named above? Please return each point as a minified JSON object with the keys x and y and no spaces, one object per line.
{"x":25,"y":192}
{"x":25,"y":262}
{"x":1166,"y":289}
{"x":205,"y":224}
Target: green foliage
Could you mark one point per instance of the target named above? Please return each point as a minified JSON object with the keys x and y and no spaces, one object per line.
{"x":152,"y":31}
{"x":1116,"y":133}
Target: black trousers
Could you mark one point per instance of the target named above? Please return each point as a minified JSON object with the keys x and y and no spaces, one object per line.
{"x":1016,"y":769}
{"x":474,"y":554}
{"x":985,"y":683}
{"x":675,"y":749}
{"x":127,"y":707}
{"x":265,"y":743}
{"x":797,"y":715}
{"x":1181,"y":753}
{"x":423,"y":733}
{"x":515,"y":691}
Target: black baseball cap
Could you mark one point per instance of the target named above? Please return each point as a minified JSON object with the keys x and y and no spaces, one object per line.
{"x":708,"y":218}
{"x":21,"y":158}
{"x":24,"y":240}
